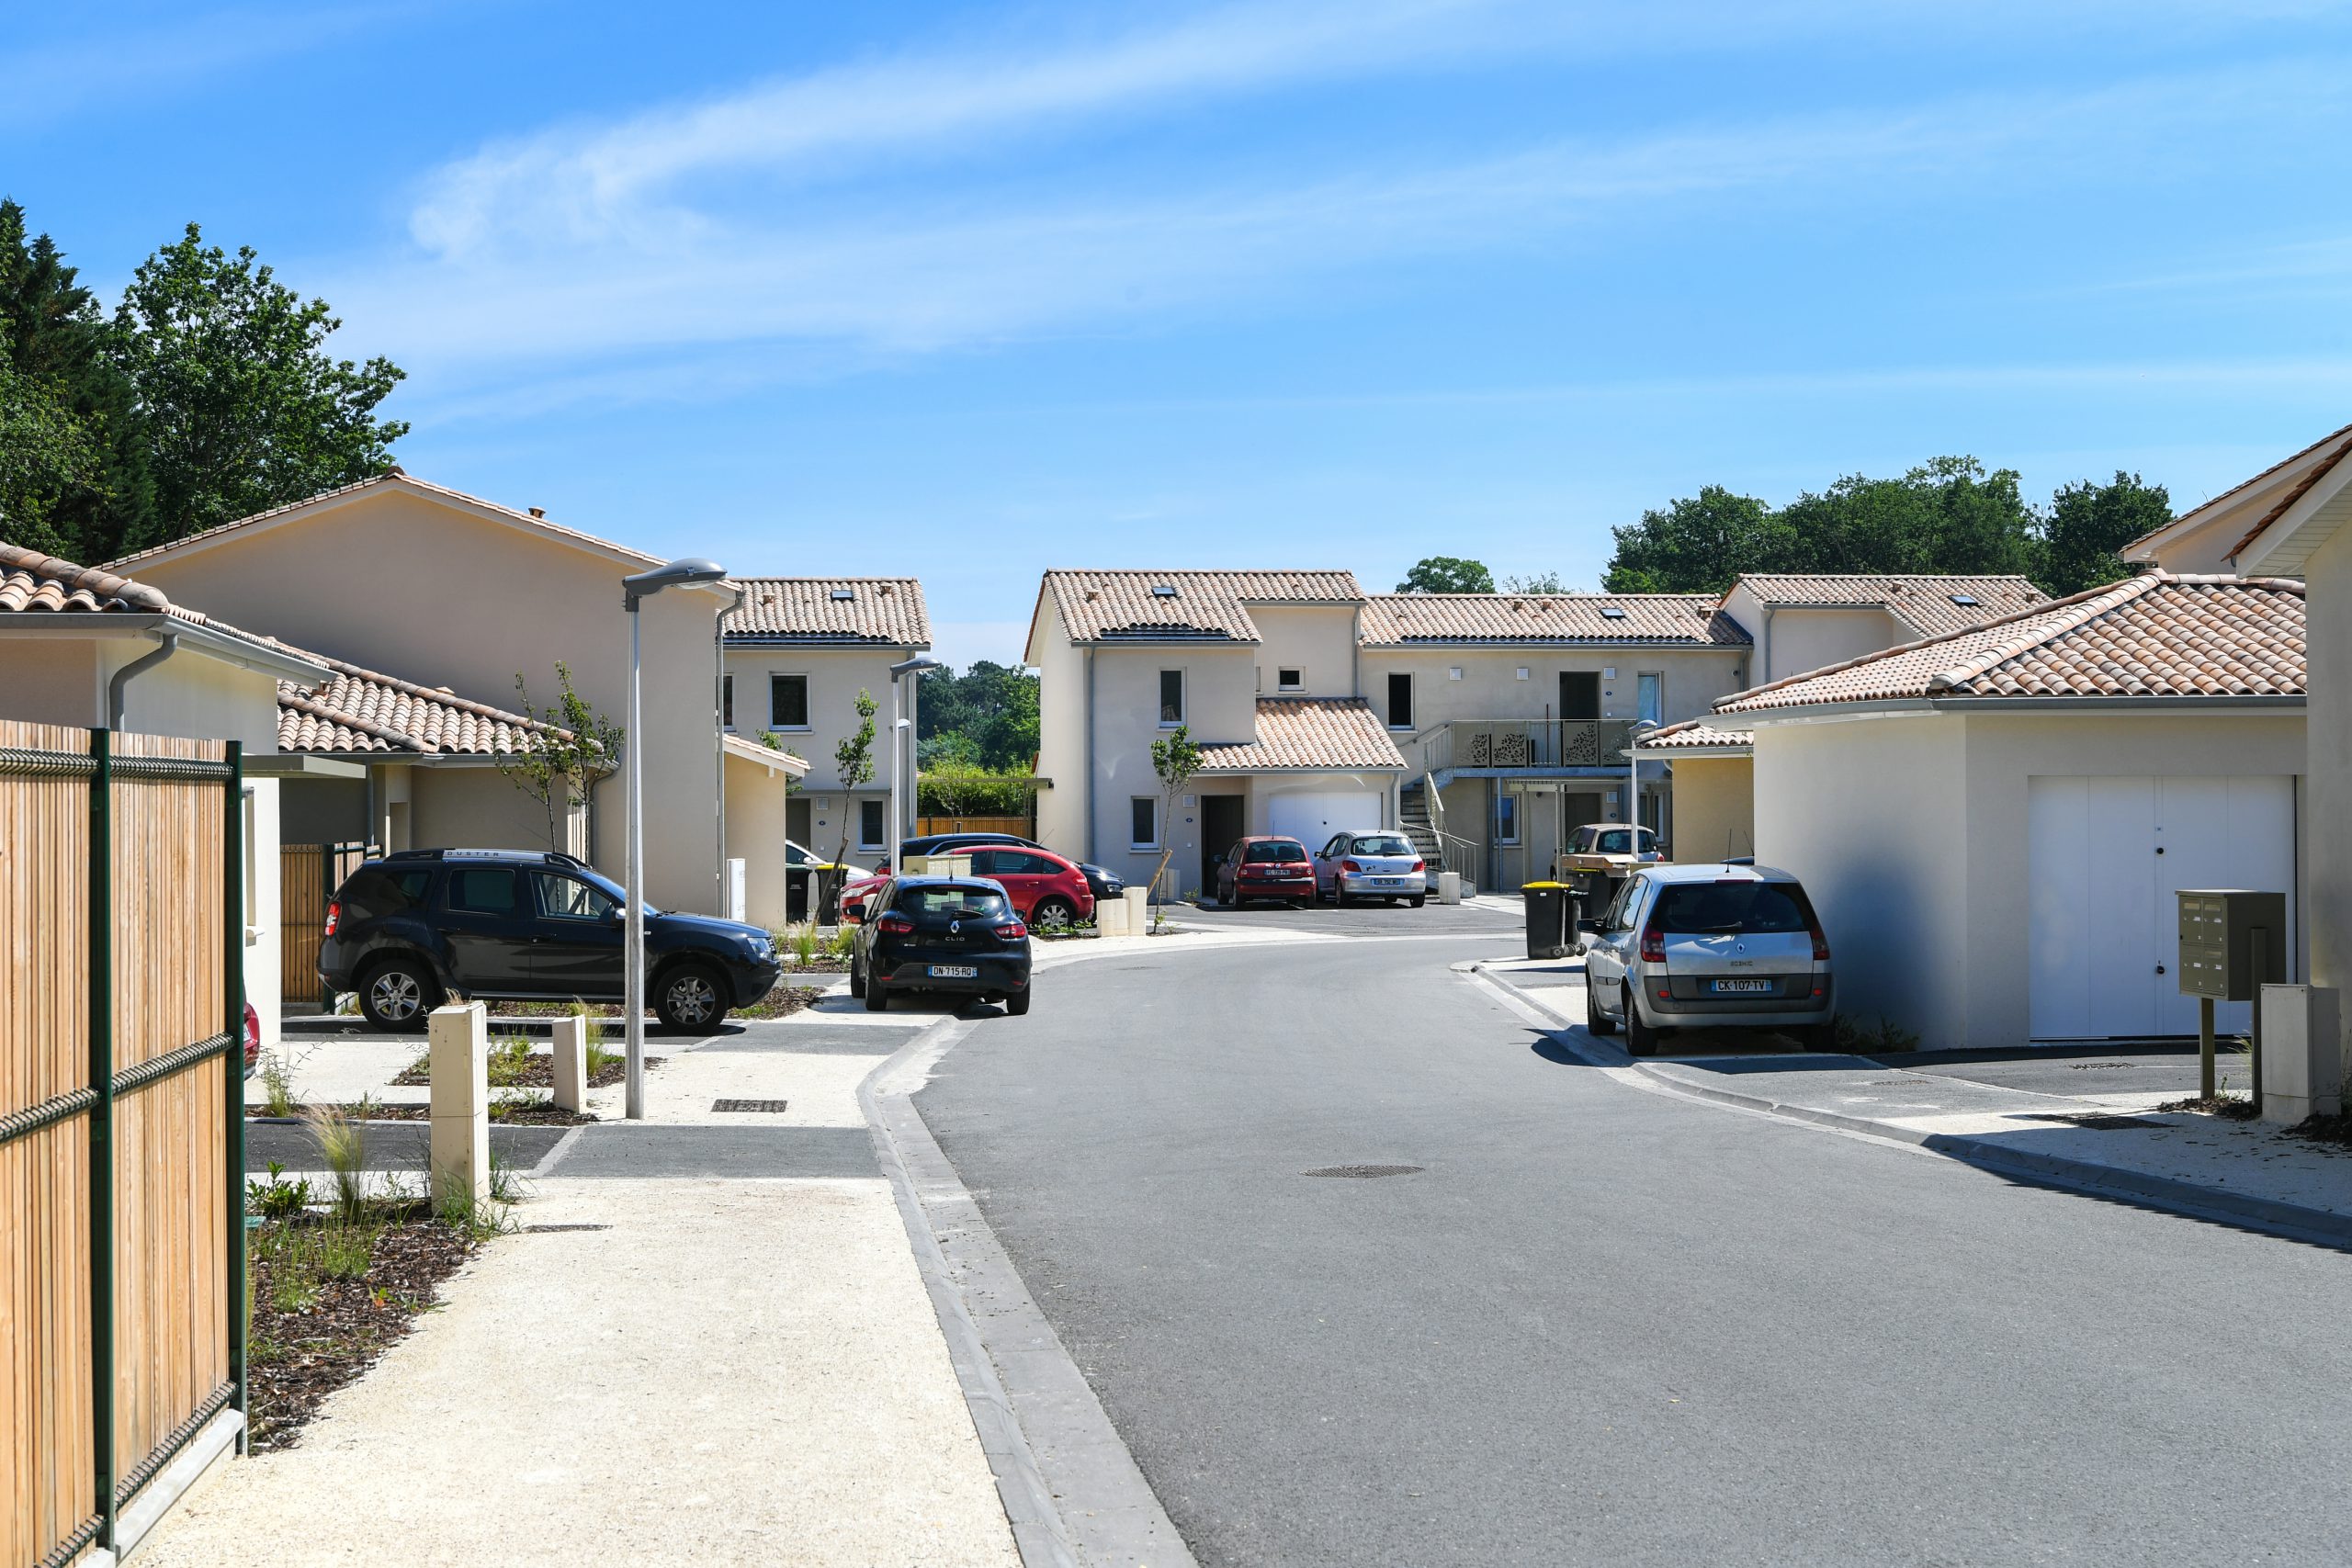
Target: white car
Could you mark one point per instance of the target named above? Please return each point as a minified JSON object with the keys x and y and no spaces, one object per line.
{"x":1371,"y":865}
{"x":1709,"y":946}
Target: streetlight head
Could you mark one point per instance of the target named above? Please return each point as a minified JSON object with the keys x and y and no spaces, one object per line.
{"x":678,"y":573}
{"x":916,"y":666}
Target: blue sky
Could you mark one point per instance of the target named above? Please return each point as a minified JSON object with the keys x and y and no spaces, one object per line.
{"x":973,"y":290}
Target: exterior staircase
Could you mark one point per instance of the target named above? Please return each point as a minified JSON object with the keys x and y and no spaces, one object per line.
{"x":1414,"y":809}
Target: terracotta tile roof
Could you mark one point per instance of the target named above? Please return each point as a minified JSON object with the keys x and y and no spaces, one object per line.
{"x":2337,"y":438}
{"x":31,"y":582}
{"x":1304,"y":733}
{"x":2297,"y":491}
{"x":1922,"y":602}
{"x":2152,"y":636}
{"x":1405,"y":620}
{"x":361,"y":711}
{"x":1212,"y":605}
{"x":395,"y":479}
{"x":1693,"y":734}
{"x":885,"y":610}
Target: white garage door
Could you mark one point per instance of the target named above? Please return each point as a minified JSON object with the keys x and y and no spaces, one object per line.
{"x":2107,"y":856}
{"x":1313,"y":818}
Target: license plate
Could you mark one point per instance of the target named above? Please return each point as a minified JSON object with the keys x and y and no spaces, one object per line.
{"x":953,"y":972}
{"x":1389,"y":882}
{"x":1743,"y":986}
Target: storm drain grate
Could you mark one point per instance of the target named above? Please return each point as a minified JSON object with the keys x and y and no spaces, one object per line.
{"x":1365,"y":1170}
{"x":575,"y":1225}
{"x":2100,"y":1122}
{"x":2087,"y":1067}
{"x":768,"y":1106}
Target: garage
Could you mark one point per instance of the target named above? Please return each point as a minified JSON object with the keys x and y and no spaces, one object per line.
{"x":1313,"y":817}
{"x":2107,"y":855}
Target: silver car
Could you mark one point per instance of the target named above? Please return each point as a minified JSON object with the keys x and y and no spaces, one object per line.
{"x":1708,"y":947}
{"x":1371,"y":865}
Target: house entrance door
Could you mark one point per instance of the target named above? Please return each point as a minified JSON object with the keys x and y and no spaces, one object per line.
{"x":1221,"y":822}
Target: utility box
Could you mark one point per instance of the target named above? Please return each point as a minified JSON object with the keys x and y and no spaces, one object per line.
{"x":2217,"y":926}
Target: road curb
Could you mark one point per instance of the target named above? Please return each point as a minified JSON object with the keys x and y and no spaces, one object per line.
{"x":2295,"y":1220}
{"x":1072,"y":1491}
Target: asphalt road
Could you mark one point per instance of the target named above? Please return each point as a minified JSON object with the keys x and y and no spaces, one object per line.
{"x":1602,"y":1326}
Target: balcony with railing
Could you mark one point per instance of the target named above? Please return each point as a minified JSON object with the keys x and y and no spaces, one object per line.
{"x":1480,"y":746}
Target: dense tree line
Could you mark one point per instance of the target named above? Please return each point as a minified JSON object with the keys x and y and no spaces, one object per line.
{"x":984,"y":719}
{"x":207,"y":395}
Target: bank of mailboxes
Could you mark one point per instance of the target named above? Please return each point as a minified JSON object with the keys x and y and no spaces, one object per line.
{"x":2217,"y":929}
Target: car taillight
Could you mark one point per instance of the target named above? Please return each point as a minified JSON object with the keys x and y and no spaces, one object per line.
{"x":1820,"y":940}
{"x":1653,"y":944}
{"x":1350,"y":865}
{"x":1420,"y":865}
{"x":1013,"y":931}
{"x":894,"y":924}
{"x":335,"y":915}
{"x":252,"y":1035}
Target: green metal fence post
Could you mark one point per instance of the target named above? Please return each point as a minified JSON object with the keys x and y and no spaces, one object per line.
{"x":101,"y":1005}
{"x":232,"y":1078}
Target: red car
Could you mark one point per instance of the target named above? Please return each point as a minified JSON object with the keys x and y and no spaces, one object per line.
{"x":1044,"y":888}
{"x":856,"y":894}
{"x":1265,"y":867}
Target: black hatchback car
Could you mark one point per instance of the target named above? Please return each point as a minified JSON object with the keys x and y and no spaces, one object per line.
{"x":418,"y":925}
{"x":941,"y":933}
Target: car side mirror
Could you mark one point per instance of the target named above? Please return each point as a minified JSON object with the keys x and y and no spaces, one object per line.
{"x":616,"y":915}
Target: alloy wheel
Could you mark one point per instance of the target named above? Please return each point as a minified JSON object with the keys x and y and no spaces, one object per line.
{"x":396,"y":995}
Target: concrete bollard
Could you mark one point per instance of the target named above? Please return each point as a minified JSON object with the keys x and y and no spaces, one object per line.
{"x":1110,"y":917}
{"x":569,"y":1042}
{"x":2302,"y":1075}
{"x":1138,"y":901}
{"x":459,"y":1046}
{"x":1449,"y":887}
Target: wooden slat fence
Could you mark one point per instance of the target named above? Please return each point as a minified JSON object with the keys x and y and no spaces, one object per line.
{"x":1024,"y":827}
{"x":308,"y":876}
{"x":121,"y":1128}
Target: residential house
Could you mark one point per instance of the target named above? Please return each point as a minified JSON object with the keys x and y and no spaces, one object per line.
{"x":95,"y":649}
{"x":1798,"y":623}
{"x":1992,"y":821}
{"x":1261,"y":668}
{"x":458,"y":592}
{"x":2290,"y":520}
{"x":1512,"y":711}
{"x":798,"y":652}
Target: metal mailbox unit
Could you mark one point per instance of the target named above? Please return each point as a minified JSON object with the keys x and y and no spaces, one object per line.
{"x":2233,"y":942}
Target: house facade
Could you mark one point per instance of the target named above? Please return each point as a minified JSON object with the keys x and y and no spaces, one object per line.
{"x":454,"y":592}
{"x":1992,"y":822}
{"x":799,"y":651}
{"x":1260,"y":668}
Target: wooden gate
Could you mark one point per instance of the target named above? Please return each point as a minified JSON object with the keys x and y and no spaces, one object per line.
{"x":308,"y":876}
{"x":121,"y":1123}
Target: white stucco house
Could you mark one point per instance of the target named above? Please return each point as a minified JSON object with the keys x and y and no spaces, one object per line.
{"x":1992,"y":822}
{"x":2294,"y":519}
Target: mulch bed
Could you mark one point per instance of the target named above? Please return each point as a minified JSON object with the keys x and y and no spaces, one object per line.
{"x":297,"y":1358}
{"x":537,"y":1071}
{"x":2229,"y":1107}
{"x":2335,"y":1131}
{"x":826,"y":966}
{"x":781,"y":1002}
{"x":532,"y":1114}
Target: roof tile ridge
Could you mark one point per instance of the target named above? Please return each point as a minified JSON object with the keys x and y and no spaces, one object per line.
{"x":2295,"y":492}
{"x":263,"y":515}
{"x":2341,"y":432}
{"x":434,"y":694}
{"x":2076,"y":611}
{"x":95,"y":581}
{"x":293,"y":696}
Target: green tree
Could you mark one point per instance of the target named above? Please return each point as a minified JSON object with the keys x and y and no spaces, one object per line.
{"x":54,"y":339}
{"x":1696,"y":544}
{"x":985,"y":717}
{"x":1534,"y":583}
{"x":46,"y":455}
{"x":1447,"y":574}
{"x":245,"y":410}
{"x":2089,"y":523}
{"x":853,"y":758}
{"x":558,"y":768}
{"x":1174,"y":761}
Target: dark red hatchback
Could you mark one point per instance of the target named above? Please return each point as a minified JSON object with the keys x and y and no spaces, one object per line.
{"x":1268,"y":867}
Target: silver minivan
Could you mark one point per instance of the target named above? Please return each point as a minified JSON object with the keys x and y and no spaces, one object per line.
{"x":1709,"y":947}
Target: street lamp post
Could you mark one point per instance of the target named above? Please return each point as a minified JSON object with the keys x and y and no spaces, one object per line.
{"x":644,"y":585}
{"x":901,"y":751}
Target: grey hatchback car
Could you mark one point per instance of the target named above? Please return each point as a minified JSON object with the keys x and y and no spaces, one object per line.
{"x":1371,"y":865}
{"x":1709,"y":947}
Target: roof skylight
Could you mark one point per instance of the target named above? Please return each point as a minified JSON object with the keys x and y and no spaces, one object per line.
{"x":1612,"y":611}
{"x":1965,"y":601}
{"x":1163,"y":590}
{"x":841,"y":594}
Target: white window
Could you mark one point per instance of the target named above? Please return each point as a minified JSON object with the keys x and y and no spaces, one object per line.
{"x":788,"y":702}
{"x":869,"y":824}
{"x":1171,"y":698}
{"x":1651,"y":695}
{"x":1290,"y":680}
{"x":1505,"y":819}
{"x":1143,"y":830}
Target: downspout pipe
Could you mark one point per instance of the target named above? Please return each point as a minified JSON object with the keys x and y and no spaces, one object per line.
{"x":168,"y":640}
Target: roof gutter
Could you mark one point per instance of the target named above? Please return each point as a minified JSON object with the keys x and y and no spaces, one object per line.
{"x":243,"y":651}
{"x":167,"y":642}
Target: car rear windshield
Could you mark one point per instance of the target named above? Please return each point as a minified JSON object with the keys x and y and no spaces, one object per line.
{"x":1617,"y":843}
{"x":372,"y":894}
{"x":1384,"y":845}
{"x":955,"y":903}
{"x":1714,"y":908}
{"x":1274,"y":850}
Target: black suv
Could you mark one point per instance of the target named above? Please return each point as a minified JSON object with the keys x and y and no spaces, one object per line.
{"x":940,"y":933}
{"x":418,"y":925}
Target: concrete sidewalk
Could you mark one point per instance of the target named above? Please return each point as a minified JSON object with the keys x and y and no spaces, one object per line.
{"x":2239,"y":1172}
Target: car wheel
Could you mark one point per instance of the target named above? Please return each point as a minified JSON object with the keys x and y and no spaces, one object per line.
{"x":1048,"y":910}
{"x":691,"y":999}
{"x":1017,"y":1004}
{"x":397,"y":994}
{"x":877,"y":995}
{"x":1417,"y":903}
{"x":856,"y":979}
{"x":1640,"y":1040}
{"x":1595,"y":1021}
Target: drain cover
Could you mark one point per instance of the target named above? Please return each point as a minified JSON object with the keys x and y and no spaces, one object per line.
{"x":2100,"y":1123}
{"x":2087,"y":1067}
{"x":769,"y":1106}
{"x":550,"y":1230}
{"x":1363,"y":1170}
